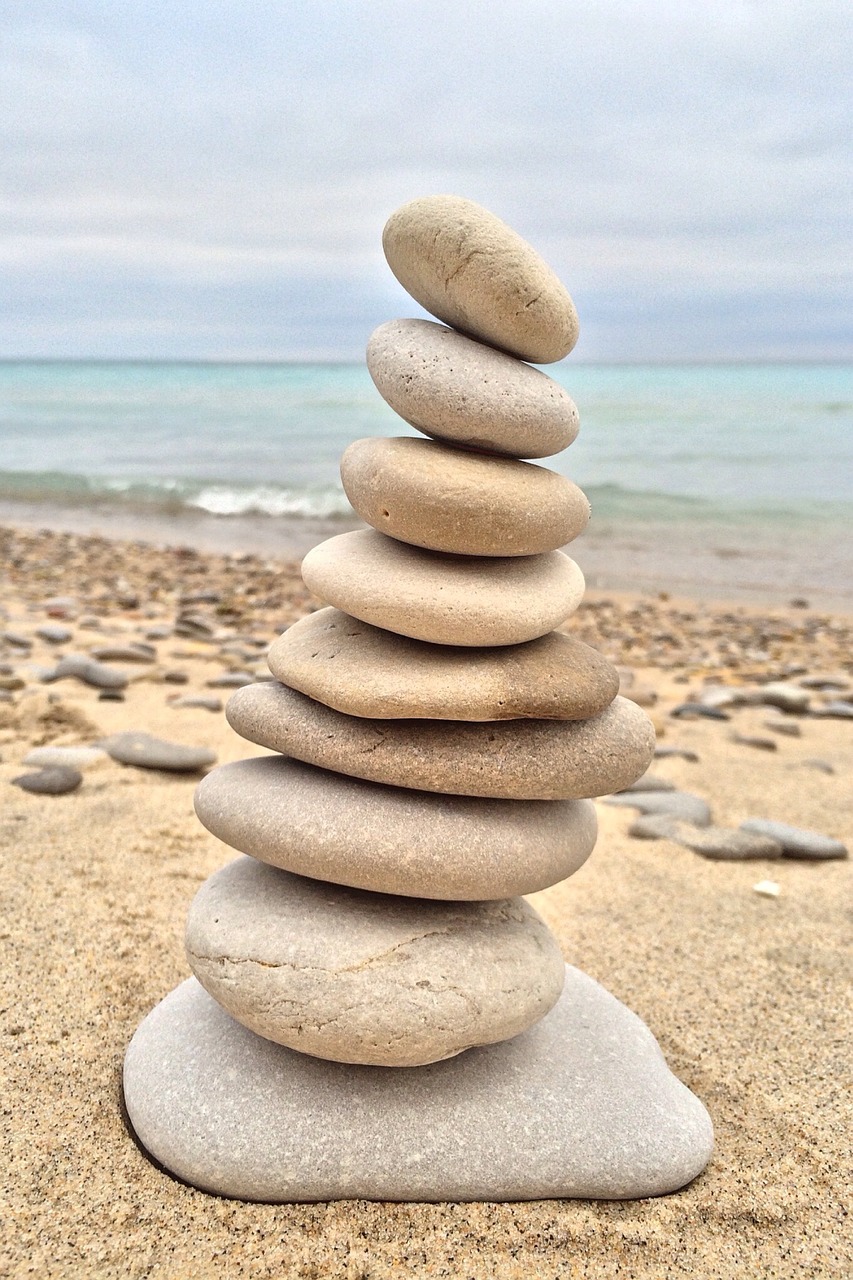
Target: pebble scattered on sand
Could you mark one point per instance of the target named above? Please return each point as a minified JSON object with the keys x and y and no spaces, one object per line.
{"x":797,"y":842}
{"x":69,"y":757}
{"x":53,"y":633}
{"x":54,"y":780}
{"x":753,"y":740}
{"x":147,"y":752}
{"x":89,"y":670}
{"x":673,"y":804}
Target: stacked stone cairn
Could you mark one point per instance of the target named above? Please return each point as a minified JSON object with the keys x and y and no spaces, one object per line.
{"x":375,"y":1011}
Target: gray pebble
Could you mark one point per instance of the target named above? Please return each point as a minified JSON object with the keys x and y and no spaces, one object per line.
{"x":53,"y":633}
{"x":787,"y":697}
{"x":797,"y":842}
{"x":205,"y":704}
{"x":723,"y":844}
{"x":147,"y":752}
{"x":674,"y":804}
{"x":697,"y":710}
{"x":826,"y":682}
{"x":581,"y":1104}
{"x":836,"y":710}
{"x":90,"y":671}
{"x":823,"y":766}
{"x":53,"y":781}
{"x":176,"y":677}
{"x":752,"y":740}
{"x":16,"y":640}
{"x":790,"y":728}
{"x":683,"y":753}
{"x":111,"y":695}
{"x":231,"y":680}
{"x":125,"y":653}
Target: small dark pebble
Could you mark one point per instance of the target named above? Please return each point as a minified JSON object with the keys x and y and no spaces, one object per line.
{"x":665,"y":753}
{"x":204,"y":704}
{"x":55,"y":780}
{"x":231,"y":680}
{"x":689,"y":710}
{"x":822,"y":766}
{"x":176,"y":677}
{"x":111,"y":695}
{"x":837,"y":710}
{"x":751,"y":740}
{"x":16,"y":640}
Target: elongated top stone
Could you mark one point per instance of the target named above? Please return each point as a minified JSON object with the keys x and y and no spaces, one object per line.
{"x":366,"y":978}
{"x":512,"y":759}
{"x":391,"y":840}
{"x":444,"y":599}
{"x":468,"y":268}
{"x":434,"y":496}
{"x":462,"y":391}
{"x":365,"y":671}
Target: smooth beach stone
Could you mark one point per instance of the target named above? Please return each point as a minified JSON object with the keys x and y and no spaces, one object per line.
{"x":582,"y":1104}
{"x":674,"y":804}
{"x":468,"y":394}
{"x":125,"y":653}
{"x":364,"y":977}
{"x":147,"y":752}
{"x":393,"y":840}
{"x":650,"y":782}
{"x":443,"y":599}
{"x":508,"y":759}
{"x":468,"y":268}
{"x":70,"y":757}
{"x":434,"y":496}
{"x":797,"y":842}
{"x":54,"y":633}
{"x":365,"y":671}
{"x":53,"y":780}
{"x":80,"y":666}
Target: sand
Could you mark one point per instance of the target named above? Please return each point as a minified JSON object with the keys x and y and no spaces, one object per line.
{"x":747,"y":995}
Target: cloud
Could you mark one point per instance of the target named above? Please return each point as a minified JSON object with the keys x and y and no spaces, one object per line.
{"x":176,"y":168}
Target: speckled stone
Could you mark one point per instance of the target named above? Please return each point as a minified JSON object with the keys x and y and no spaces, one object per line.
{"x":391,"y":840}
{"x":444,"y":499}
{"x":468,"y":394}
{"x":365,"y":977}
{"x":509,"y":759}
{"x":365,"y":671}
{"x":468,"y":268}
{"x":582,"y":1104}
{"x":459,"y":600}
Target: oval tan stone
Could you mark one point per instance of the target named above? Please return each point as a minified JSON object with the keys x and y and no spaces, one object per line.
{"x":365,"y":671}
{"x":444,"y":499}
{"x":459,"y":390}
{"x":511,"y":759}
{"x":444,"y":599}
{"x":390,"y":839}
{"x":367,"y":978}
{"x":468,"y":268}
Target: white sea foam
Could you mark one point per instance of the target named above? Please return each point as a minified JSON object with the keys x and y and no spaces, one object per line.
{"x":270,"y":501}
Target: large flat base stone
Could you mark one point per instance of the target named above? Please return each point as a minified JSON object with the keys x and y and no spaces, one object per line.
{"x":581,"y":1105}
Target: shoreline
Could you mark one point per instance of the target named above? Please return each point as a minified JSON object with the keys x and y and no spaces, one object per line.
{"x":691,"y":560}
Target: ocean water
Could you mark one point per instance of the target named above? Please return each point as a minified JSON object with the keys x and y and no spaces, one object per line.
{"x":739,"y":443}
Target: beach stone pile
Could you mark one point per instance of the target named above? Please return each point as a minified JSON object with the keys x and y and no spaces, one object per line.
{"x":376,"y":1011}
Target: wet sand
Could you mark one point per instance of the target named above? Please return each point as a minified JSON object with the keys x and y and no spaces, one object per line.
{"x":747,"y":995}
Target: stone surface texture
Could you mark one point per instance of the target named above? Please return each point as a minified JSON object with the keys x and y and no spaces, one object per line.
{"x":472,"y":504}
{"x":364,"y":977}
{"x":509,"y":759}
{"x":468,"y":394}
{"x":459,"y":600}
{"x":366,"y":671}
{"x":468,"y":268}
{"x":582,"y":1104}
{"x":391,"y":840}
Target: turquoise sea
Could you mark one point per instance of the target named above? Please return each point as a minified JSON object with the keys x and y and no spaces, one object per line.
{"x":727,"y":443}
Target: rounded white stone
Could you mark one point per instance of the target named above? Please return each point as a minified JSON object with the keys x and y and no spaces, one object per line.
{"x":364,"y":977}
{"x":468,"y":268}
{"x":459,"y":390}
{"x":459,"y":600}
{"x":444,"y":499}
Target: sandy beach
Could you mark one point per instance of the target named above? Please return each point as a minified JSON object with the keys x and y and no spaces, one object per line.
{"x":748,"y":995}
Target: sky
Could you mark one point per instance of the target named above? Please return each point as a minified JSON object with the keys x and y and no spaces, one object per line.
{"x":209,"y":179}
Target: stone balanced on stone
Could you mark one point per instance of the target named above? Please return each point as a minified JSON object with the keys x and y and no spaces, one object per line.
{"x":375,"y":1012}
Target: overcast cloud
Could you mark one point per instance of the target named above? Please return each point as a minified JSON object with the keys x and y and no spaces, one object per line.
{"x":205,"y":178}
